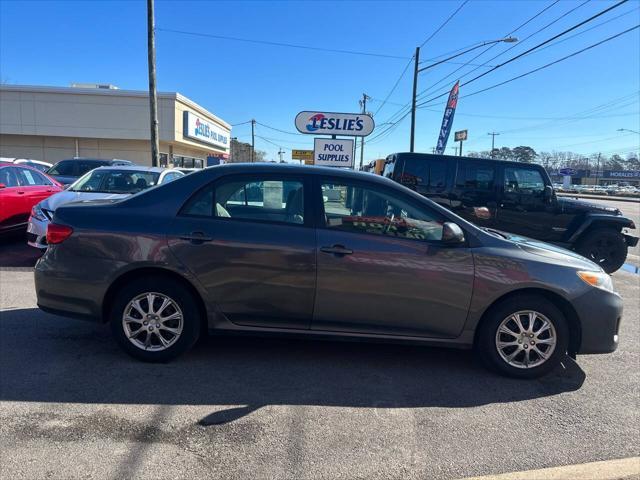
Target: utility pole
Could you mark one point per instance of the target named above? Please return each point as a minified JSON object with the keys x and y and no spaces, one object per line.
{"x":280,"y":152}
{"x":153,"y":96}
{"x":253,"y":139}
{"x":363,"y":103}
{"x":598,"y":168}
{"x":413,"y":99}
{"x":493,"y":143}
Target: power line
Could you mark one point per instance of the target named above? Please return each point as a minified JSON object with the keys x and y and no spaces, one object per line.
{"x":395,"y":85}
{"x":522,"y":25}
{"x":554,"y":62}
{"x":281,"y":44}
{"x":279,"y":130}
{"x":512,"y":59}
{"x":444,"y":23}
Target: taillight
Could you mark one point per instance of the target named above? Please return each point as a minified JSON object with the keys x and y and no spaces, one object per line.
{"x":58,"y":233}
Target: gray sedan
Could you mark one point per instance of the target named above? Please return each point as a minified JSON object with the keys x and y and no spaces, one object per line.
{"x":320,"y":252}
{"x":102,"y":183}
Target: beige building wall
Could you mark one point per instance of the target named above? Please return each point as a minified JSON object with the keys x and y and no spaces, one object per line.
{"x":54,"y":123}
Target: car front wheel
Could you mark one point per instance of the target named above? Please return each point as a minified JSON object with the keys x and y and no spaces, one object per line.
{"x":155,"y":320}
{"x":523,"y":337}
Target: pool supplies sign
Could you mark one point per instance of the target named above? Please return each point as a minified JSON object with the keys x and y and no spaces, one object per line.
{"x":330,"y":152}
{"x":330,"y":123}
{"x":204,"y":131}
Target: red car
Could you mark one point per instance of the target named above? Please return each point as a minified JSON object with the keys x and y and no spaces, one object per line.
{"x":20,"y":189}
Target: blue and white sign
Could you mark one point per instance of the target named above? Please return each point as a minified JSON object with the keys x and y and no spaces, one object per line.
{"x":329,"y":152}
{"x":567,"y":171}
{"x":204,"y":131}
{"x":329,"y":123}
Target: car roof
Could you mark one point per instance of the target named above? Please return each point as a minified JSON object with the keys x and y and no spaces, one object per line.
{"x":22,"y":165}
{"x":83,"y":159}
{"x":133,"y":168}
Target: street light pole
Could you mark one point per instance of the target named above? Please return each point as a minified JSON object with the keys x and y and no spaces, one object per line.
{"x":253,"y":139}
{"x":417,"y":69}
{"x":413,"y":99}
{"x":153,"y":96}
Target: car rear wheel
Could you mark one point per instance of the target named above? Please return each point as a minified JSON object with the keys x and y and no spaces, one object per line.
{"x":155,"y":320}
{"x":604,"y":246}
{"x":524,"y":337}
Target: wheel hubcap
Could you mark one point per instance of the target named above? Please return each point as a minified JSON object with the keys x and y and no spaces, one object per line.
{"x":152,"y":321}
{"x":526,"y":339}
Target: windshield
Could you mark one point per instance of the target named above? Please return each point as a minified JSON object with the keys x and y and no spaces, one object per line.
{"x":115,"y":181}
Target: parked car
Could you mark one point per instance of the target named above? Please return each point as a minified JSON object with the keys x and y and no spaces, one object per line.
{"x":102,"y":183}
{"x":68,"y":171}
{"x":517,"y":198}
{"x":376,"y":260}
{"x":21,"y":187}
{"x":37,"y":164}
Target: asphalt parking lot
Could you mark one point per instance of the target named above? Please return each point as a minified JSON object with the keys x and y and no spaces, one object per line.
{"x":74,"y":406}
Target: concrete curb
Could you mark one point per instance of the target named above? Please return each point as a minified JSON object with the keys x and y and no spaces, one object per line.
{"x":599,"y":197}
{"x":624,"y":468}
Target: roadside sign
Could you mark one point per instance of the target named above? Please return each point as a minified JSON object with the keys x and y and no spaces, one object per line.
{"x":567,"y":171}
{"x":330,"y":152}
{"x":302,"y":155}
{"x":309,"y":161}
{"x":460,"y":135}
{"x":331,"y":123}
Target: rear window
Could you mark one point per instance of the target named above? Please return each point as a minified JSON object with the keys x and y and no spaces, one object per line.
{"x":84,"y":167}
{"x":64,"y":168}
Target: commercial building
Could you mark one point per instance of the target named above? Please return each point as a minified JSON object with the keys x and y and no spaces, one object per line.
{"x":54,"y":123}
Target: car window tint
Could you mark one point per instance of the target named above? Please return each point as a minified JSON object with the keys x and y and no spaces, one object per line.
{"x":437,"y":174}
{"x":200,"y":204}
{"x":415,"y":172}
{"x":31,"y":178}
{"x":475,"y":176}
{"x":84,"y":167}
{"x":8,"y":177}
{"x":128,"y":181}
{"x":358,"y":209}
{"x":271,"y":200}
{"x":64,"y":168}
{"x":523,"y":180}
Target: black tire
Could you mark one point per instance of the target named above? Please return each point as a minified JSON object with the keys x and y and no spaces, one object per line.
{"x":604,"y":246}
{"x":486,"y":341}
{"x":181,"y":297}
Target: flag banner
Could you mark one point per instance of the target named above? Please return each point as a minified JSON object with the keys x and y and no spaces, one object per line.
{"x":447,"y":120}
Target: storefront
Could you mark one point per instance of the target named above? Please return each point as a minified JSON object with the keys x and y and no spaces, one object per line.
{"x":54,"y":123}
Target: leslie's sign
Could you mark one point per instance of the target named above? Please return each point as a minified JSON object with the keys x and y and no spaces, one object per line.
{"x":330,"y":123}
{"x":204,"y":131}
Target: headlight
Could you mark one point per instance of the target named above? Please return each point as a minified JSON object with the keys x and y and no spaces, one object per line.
{"x":597,"y":279}
{"x":37,"y":213}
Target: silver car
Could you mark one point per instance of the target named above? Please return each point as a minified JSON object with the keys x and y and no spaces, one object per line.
{"x":103,"y":183}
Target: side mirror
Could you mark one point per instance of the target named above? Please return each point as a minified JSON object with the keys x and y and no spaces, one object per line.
{"x":452,"y":233}
{"x":548,"y":193}
{"x":2,"y":185}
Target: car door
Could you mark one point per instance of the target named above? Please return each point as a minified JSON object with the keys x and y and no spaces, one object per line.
{"x":474,"y":193}
{"x":250,"y":242}
{"x":12,"y":201}
{"x":382,"y":266}
{"x":525,"y":210}
{"x":36,"y":187}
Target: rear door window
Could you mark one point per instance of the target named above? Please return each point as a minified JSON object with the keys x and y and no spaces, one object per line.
{"x":30,"y":178}
{"x":8,"y":177}
{"x":475,"y":176}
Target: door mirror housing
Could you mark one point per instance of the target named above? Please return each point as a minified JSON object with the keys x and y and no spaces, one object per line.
{"x":548,"y":193}
{"x":452,"y":233}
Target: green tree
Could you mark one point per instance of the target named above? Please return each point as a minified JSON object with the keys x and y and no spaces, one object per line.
{"x":524,"y":154}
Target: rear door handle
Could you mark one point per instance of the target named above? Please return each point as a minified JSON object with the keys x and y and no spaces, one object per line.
{"x":196,"y":237}
{"x":336,"y":250}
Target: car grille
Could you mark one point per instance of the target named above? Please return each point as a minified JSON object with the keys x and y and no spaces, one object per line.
{"x":31,"y":237}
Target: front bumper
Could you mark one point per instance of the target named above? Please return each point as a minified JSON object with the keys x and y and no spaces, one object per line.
{"x":600,"y":313}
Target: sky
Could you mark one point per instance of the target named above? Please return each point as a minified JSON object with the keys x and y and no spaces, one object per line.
{"x":577,"y":104}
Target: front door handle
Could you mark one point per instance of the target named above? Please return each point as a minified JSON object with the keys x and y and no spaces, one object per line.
{"x":196,"y":237}
{"x":336,"y":250}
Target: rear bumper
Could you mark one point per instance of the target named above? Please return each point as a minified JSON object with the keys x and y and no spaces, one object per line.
{"x":600,"y":314}
{"x":37,"y":233}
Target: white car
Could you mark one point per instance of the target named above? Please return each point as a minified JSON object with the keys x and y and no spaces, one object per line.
{"x":102,"y":183}
{"x":29,"y":162}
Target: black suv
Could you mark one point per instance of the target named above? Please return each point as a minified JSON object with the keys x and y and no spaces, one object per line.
{"x":68,"y":171}
{"x":518,"y":198}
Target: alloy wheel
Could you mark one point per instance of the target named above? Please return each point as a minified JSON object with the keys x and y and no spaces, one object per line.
{"x":526,"y":339}
{"x":152,"y":321}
